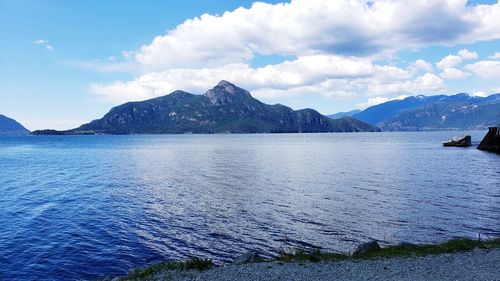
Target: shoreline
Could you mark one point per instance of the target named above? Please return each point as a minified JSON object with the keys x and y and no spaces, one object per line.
{"x":425,"y":258}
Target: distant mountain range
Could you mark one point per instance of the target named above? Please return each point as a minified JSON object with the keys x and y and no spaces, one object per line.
{"x":344,"y":114}
{"x":441,"y":112}
{"x":10,"y":127}
{"x":224,"y":109}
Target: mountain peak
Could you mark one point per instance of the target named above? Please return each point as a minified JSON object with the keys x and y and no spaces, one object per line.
{"x":464,"y":95}
{"x":224,"y":83}
{"x":225,"y":92}
{"x":226,"y":86}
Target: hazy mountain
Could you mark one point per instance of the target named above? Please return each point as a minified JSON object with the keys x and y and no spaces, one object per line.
{"x":460,"y":111}
{"x":344,"y":114}
{"x":223,"y":109}
{"x":381,"y":112}
{"x":458,"y":115}
{"x":10,"y":127}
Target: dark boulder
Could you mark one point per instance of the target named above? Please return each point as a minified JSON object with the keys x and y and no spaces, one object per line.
{"x":249,"y":257}
{"x":491,"y":142}
{"x":463,"y":142}
{"x":367,"y":247}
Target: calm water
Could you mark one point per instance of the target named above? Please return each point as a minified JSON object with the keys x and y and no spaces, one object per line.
{"x":76,"y":207}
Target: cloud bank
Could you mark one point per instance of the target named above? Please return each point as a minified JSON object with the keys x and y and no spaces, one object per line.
{"x":334,"y":46}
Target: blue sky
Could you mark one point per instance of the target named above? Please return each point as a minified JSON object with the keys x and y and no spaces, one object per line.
{"x":63,"y":63}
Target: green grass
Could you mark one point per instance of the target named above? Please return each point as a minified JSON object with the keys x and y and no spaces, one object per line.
{"x":301,"y":255}
{"x":151,"y":270}
{"x":452,"y":246}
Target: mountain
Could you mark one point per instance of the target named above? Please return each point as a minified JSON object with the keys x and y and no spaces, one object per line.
{"x":384,"y":111}
{"x":223,"y":109}
{"x":441,"y":112}
{"x":343,"y":114}
{"x":10,"y":127}
{"x":446,"y":116}
{"x":355,"y":125}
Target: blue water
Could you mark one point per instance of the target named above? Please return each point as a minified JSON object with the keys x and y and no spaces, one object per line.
{"x":77,"y":207}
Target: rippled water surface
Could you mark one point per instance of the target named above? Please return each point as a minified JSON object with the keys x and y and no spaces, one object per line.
{"x":76,"y":207}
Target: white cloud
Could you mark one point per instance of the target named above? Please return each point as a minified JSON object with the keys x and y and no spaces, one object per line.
{"x":495,"y":56}
{"x":453,"y":73}
{"x":448,"y":64}
{"x":330,"y":76}
{"x":467,"y":55}
{"x":378,"y":100}
{"x":372,"y":102}
{"x":480,"y":94}
{"x":427,"y":83}
{"x":334,"y":43}
{"x":44,"y":43}
{"x":422,"y":65}
{"x":486,"y":68}
{"x":304,"y":71}
{"x":305,"y":27}
{"x":449,"y":61}
{"x":40,"y":41}
{"x":390,"y":73}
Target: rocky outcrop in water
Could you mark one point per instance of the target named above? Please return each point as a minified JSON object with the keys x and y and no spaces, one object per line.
{"x":459,"y":142}
{"x":491,"y":142}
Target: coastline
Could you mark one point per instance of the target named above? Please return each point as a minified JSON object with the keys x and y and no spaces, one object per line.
{"x":458,"y":259}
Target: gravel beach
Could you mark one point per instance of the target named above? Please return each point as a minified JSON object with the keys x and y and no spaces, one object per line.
{"x":479,"y":264}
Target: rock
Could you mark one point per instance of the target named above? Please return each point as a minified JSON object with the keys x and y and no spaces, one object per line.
{"x":367,"y":247}
{"x":463,"y":142}
{"x":491,"y":142}
{"x":249,"y":257}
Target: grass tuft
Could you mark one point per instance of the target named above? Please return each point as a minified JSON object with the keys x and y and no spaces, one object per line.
{"x":152,"y":270}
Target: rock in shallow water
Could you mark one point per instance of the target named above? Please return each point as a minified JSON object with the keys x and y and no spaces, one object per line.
{"x":491,"y":142}
{"x":367,"y":247}
{"x":249,"y":257}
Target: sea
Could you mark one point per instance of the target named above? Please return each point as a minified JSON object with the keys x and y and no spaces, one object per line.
{"x":80,"y":207}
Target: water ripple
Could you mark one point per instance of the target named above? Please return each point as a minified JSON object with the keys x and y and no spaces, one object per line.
{"x":77,"y":207}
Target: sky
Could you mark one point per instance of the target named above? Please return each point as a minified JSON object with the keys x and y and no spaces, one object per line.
{"x":65,"y":63}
